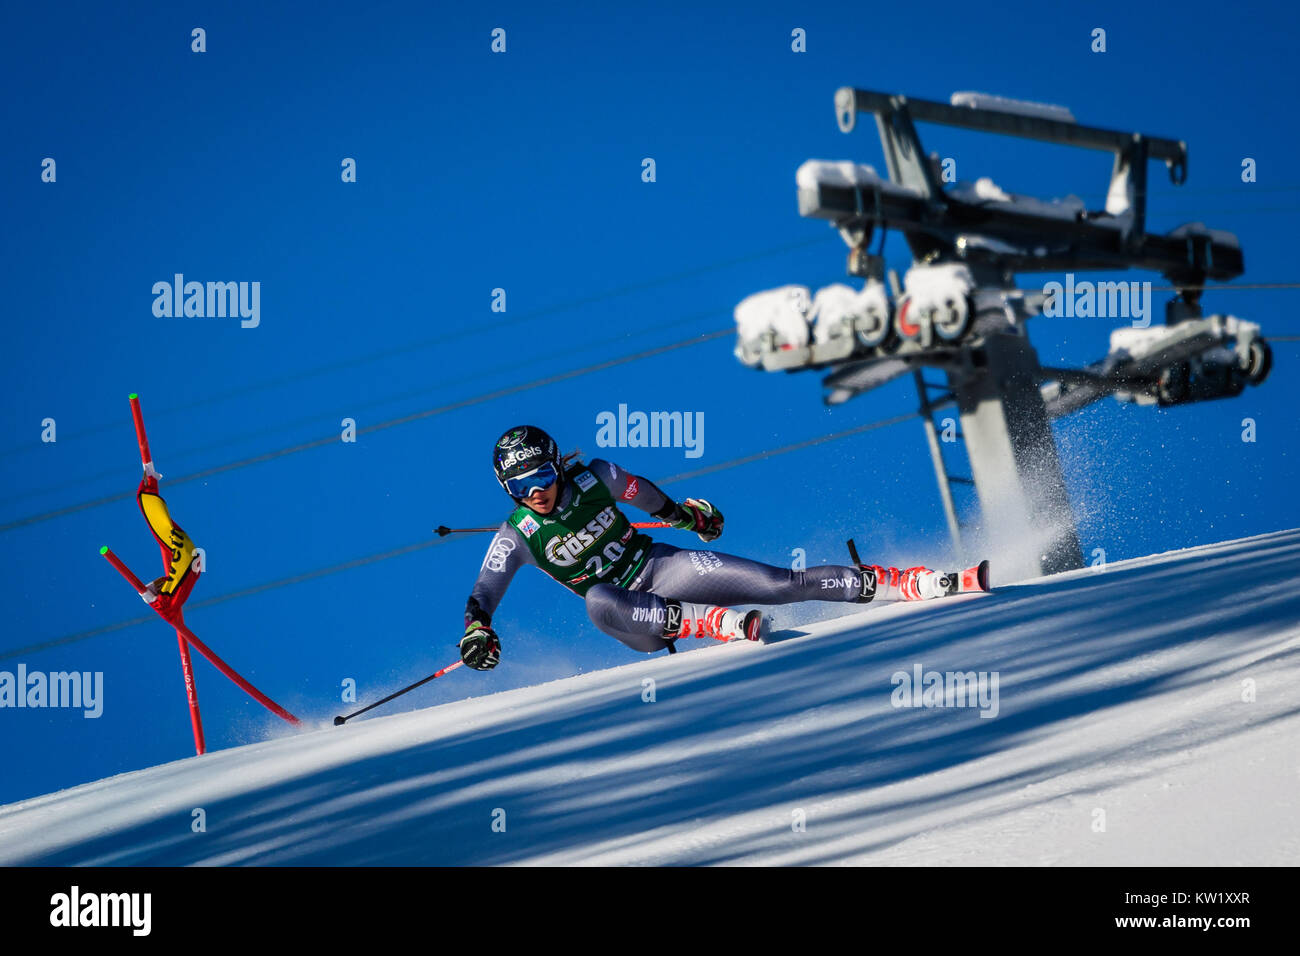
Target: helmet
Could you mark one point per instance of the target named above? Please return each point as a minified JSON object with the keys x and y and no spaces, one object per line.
{"x":525,"y":458}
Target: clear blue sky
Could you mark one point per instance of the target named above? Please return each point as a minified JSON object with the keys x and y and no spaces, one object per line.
{"x":522,"y":171}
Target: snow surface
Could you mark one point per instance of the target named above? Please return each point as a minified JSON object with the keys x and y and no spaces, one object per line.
{"x":1123,"y":691}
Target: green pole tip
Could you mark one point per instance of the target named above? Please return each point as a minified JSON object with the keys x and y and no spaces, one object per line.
{"x":104,"y":550}
{"x":133,"y":396}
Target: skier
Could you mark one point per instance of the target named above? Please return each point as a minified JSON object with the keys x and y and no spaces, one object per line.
{"x":568,"y":522}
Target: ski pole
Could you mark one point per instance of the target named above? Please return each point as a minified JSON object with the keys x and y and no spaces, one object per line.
{"x":339,"y":721}
{"x":443,"y":530}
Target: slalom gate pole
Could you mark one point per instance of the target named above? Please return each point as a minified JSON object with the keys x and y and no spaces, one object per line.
{"x":188,"y":636}
{"x":172,"y":613}
{"x":443,"y":530}
{"x":192,"y":695}
{"x":339,"y":721}
{"x":187,"y":668}
{"x":230,"y":672}
{"x":126,"y":572}
{"x":146,"y":459}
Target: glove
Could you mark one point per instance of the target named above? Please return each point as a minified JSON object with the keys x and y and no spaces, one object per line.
{"x":480,"y":648}
{"x":696,"y":514}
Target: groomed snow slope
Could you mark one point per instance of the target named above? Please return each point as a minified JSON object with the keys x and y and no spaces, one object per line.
{"x":1124,"y":699}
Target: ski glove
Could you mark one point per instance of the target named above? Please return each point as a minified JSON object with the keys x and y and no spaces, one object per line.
{"x":480,"y":648}
{"x":696,"y":514}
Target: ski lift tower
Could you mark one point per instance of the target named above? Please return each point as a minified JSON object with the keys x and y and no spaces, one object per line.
{"x":958,"y":308}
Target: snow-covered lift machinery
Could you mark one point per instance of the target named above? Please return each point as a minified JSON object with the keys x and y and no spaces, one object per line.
{"x":958,"y":309}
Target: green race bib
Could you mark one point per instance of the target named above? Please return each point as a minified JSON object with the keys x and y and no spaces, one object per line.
{"x":588,"y":542}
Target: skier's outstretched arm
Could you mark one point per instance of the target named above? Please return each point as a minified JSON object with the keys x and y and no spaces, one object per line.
{"x":694,"y":514}
{"x":480,"y":648}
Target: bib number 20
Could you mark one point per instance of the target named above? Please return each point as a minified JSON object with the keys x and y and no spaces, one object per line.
{"x":613,"y":551}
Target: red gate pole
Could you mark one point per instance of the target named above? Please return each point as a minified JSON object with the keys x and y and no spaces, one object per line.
{"x":192,"y":695}
{"x":126,"y":572}
{"x":146,"y":459}
{"x":229,"y":671}
{"x":187,"y":668}
{"x":187,"y":635}
{"x":191,"y":688}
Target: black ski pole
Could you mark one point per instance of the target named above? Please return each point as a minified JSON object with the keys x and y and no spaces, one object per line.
{"x":339,"y":721}
{"x":443,"y":530}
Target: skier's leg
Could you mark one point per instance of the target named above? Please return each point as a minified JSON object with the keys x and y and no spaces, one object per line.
{"x":644,"y":621}
{"x":713,"y":577}
{"x":698,"y":583}
{"x":634,"y":617}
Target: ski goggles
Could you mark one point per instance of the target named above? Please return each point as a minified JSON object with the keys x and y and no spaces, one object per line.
{"x":539,"y":479}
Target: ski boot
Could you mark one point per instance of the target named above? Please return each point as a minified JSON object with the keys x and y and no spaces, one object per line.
{"x":919,"y":583}
{"x":708,"y":620}
{"x":912,"y":584}
{"x":916,"y":584}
